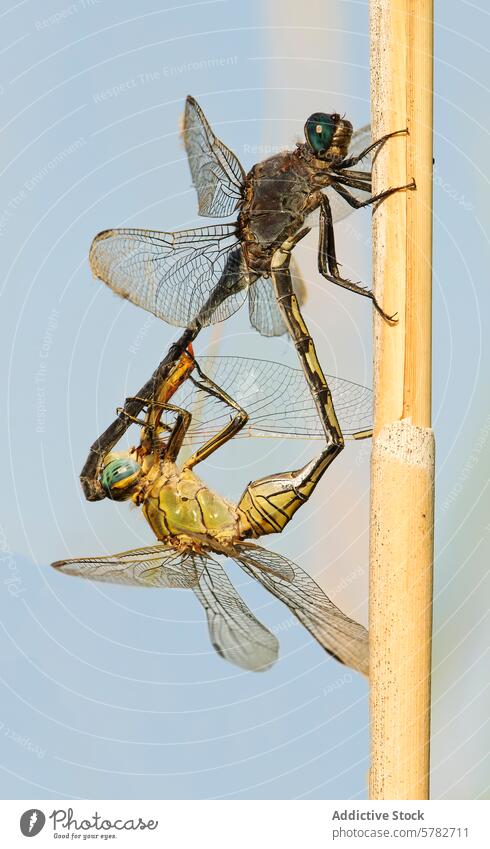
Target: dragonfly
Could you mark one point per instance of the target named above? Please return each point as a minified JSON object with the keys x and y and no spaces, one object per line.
{"x":202,"y":276}
{"x":195,"y":525}
{"x":194,"y":278}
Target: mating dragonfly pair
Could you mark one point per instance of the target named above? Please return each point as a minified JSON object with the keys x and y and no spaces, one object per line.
{"x":194,"y":278}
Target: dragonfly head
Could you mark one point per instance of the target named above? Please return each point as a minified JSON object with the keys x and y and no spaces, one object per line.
{"x":328,"y":136}
{"x":120,"y":475}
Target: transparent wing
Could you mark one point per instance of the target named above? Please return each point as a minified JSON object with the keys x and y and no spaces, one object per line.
{"x":339,"y":635}
{"x":276,"y":398}
{"x":264,"y":312}
{"x":360,"y":140}
{"x":155,"y":566}
{"x":235,"y":632}
{"x":183,"y":277}
{"x":216,"y":172}
{"x":233,"y":629}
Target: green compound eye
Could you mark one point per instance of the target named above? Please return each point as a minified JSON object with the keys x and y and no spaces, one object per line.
{"x":119,"y":475}
{"x":319,"y":131}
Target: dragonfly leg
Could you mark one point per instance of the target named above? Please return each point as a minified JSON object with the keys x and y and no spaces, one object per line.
{"x":124,"y":414}
{"x":183,"y":419}
{"x":340,"y":182}
{"x":132,"y":419}
{"x":230,"y":430}
{"x":151,"y":429}
{"x":327,"y":259}
{"x":354,"y":160}
{"x":90,"y":474}
{"x":305,"y":348}
{"x":268,"y":504}
{"x":360,"y":180}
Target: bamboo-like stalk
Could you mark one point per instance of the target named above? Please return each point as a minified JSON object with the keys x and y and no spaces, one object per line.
{"x":402,"y":493}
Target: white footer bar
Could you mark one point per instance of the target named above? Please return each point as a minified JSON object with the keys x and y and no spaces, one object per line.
{"x":244,"y":824}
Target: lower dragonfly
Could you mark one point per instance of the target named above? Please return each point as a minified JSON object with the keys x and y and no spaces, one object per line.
{"x":194,"y":278}
{"x":194,"y":524}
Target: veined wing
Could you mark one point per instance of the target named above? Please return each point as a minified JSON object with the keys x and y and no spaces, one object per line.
{"x":216,"y":172}
{"x":154,"y":566}
{"x":185,"y":277}
{"x":361,"y":139}
{"x":276,"y":398}
{"x":264,"y":312}
{"x":233,"y":629}
{"x":339,"y":635}
{"x":235,"y":632}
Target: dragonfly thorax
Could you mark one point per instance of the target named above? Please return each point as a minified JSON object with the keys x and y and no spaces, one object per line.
{"x":180,"y":507}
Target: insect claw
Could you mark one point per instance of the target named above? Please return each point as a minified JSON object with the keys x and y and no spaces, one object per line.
{"x":404,"y":132}
{"x":392,"y":319}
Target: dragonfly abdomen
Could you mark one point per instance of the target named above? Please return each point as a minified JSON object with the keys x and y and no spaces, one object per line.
{"x":268,"y":504}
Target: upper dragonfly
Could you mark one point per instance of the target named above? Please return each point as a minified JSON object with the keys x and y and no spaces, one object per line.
{"x":193,"y":278}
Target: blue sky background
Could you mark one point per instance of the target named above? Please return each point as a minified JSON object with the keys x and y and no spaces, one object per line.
{"x":109,"y":692}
